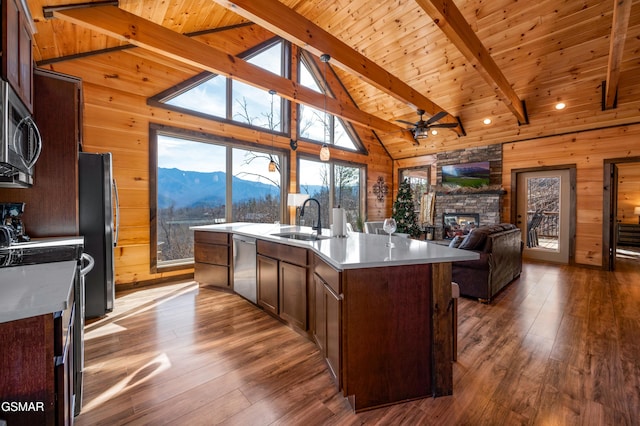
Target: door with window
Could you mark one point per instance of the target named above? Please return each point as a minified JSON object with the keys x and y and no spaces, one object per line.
{"x":544,"y":212}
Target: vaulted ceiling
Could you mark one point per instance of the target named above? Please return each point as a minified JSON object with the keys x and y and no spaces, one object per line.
{"x":507,"y":60}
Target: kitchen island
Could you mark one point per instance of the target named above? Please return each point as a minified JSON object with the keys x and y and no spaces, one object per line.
{"x":380,"y":316}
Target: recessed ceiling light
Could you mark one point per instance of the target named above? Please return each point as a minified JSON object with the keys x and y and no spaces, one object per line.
{"x":434,"y":132}
{"x":560,"y":105}
{"x":487,"y":121}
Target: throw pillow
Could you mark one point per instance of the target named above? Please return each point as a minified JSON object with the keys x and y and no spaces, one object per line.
{"x":455,"y":242}
{"x":473,"y":240}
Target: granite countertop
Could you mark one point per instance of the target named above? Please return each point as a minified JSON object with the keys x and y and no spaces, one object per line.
{"x":356,"y":250}
{"x":32,"y":290}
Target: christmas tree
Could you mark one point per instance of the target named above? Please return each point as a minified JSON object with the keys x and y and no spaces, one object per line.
{"x":404,"y":213}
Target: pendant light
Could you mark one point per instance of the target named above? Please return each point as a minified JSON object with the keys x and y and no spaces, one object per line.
{"x":325,"y":154}
{"x":272,"y":164}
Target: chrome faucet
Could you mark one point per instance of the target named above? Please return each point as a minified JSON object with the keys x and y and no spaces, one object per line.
{"x":318,"y":226}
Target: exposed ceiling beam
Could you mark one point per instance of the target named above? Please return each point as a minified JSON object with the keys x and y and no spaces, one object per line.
{"x":285,"y":22}
{"x":450,"y":20}
{"x":131,"y":28}
{"x":621,"y":13}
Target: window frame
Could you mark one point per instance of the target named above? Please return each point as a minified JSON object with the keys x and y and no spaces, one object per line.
{"x":160,"y":100}
{"x":306,"y":60}
{"x":156,"y":130}
{"x":363,"y":167}
{"x":416,"y":200}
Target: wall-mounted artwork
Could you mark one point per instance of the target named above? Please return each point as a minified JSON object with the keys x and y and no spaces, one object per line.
{"x":473,"y":175}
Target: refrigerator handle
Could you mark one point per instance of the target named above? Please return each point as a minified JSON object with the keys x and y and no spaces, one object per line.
{"x":117,"y":230}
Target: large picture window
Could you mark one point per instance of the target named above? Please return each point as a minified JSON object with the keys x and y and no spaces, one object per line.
{"x":333,"y":184}
{"x":200,"y":180}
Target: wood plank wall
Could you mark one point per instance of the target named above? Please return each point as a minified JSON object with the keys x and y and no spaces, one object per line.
{"x":587,"y":150}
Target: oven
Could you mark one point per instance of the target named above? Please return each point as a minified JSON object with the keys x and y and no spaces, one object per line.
{"x":59,"y":249}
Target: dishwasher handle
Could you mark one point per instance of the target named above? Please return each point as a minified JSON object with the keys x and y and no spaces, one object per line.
{"x":246,"y":240}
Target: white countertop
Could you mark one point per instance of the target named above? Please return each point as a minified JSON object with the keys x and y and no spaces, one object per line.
{"x":357,"y":250}
{"x":49,"y":242}
{"x":32,"y":290}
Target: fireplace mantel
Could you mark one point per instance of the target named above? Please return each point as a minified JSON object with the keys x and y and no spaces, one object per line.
{"x":469,"y":191}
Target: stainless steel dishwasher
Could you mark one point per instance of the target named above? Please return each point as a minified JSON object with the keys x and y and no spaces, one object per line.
{"x":244,"y":267}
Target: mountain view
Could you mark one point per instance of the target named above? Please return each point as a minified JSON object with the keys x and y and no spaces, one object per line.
{"x":184,"y":189}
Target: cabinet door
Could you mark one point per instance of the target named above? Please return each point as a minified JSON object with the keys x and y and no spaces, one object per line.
{"x":333,"y":306}
{"x":268,"y":284}
{"x":327,"y":327}
{"x":320,"y":319}
{"x":27,"y":368}
{"x":11,"y":55}
{"x":26,"y":65}
{"x":64,"y":376}
{"x":214,"y":275}
{"x":17,"y":55}
{"x":293,"y":295}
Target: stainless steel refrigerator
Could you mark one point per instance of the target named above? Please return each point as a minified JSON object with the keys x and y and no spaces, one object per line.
{"x":98,"y":197}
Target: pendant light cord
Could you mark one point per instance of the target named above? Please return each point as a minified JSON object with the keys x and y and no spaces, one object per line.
{"x":272,"y":163}
{"x":324,"y":151}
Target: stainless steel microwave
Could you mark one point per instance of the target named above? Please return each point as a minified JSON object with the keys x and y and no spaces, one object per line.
{"x":20,"y":141}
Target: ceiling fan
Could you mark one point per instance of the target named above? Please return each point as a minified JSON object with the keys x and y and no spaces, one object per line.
{"x":421,"y":127}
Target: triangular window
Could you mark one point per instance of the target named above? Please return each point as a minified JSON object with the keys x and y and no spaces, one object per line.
{"x":312,"y":121}
{"x":207,"y":93}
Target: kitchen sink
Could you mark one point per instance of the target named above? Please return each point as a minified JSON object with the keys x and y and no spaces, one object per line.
{"x":301,"y":236}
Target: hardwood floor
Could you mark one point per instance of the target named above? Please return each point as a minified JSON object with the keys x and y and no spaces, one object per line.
{"x":561,"y":345}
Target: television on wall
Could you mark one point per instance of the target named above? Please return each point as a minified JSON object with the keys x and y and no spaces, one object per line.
{"x":474,"y":175}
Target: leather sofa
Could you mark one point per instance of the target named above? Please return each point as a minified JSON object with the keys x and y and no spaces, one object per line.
{"x":500,"y":247}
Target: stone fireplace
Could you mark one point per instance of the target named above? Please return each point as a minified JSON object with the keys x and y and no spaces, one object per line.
{"x":486,"y":206}
{"x":459,"y":223}
{"x":485,"y":202}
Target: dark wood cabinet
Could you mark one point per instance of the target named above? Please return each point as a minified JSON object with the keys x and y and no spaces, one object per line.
{"x":37,"y":361}
{"x":268,"y":288}
{"x":212,"y":252}
{"x":282,"y":282}
{"x":17,"y":55}
{"x":293,"y":297}
{"x":52,"y":202}
{"x":328,"y":317}
{"x":64,"y":374}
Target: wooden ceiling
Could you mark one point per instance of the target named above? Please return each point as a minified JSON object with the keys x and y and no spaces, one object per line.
{"x":506,"y":60}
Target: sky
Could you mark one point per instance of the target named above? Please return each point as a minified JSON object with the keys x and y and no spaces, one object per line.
{"x":204,"y":157}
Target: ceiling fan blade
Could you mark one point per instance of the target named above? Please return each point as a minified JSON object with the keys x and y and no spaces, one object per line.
{"x":445,"y":125}
{"x":406,"y":122}
{"x":437,"y":117}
